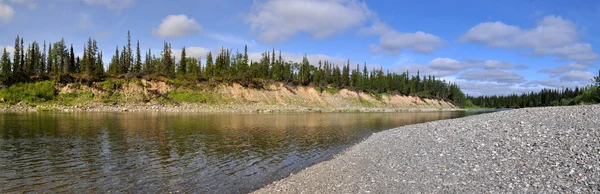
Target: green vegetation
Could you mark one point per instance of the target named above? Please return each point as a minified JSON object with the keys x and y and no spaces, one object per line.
{"x":545,"y":97}
{"x":58,"y":61}
{"x":75,"y":98}
{"x":193,"y":96}
{"x":29,"y":92}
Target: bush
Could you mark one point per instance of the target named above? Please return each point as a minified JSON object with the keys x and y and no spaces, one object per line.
{"x":29,"y":92}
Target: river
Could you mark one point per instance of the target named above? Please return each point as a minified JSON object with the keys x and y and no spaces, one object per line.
{"x":175,"y":152}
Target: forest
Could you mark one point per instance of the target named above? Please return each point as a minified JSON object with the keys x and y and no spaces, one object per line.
{"x":57,"y":61}
{"x":545,"y":97}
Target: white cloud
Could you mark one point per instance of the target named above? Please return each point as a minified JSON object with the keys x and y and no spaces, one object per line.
{"x":231,"y":39}
{"x":563,"y":69}
{"x":498,"y":76}
{"x":196,"y":52}
{"x":440,"y":67}
{"x":494,"y":64}
{"x":577,"y":76}
{"x":394,"y":42}
{"x":6,"y":13}
{"x":476,"y":88}
{"x":575,"y":51}
{"x":31,"y":4}
{"x":111,"y":4}
{"x":276,"y":20}
{"x":559,"y":84}
{"x":553,"y":35}
{"x":9,"y":49}
{"x":177,"y":26}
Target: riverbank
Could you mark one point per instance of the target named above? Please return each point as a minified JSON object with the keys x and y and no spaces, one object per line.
{"x":551,"y":149}
{"x":207,"y":108}
{"x":173,"y":96}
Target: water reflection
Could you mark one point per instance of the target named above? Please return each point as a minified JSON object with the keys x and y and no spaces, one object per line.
{"x":162,"y":152}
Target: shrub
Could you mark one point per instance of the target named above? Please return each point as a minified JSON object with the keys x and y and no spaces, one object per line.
{"x":29,"y":92}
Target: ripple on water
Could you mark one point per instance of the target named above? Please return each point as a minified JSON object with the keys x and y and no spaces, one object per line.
{"x":160,"y":153}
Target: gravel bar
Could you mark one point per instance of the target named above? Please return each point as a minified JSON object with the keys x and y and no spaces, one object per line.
{"x":548,"y":150}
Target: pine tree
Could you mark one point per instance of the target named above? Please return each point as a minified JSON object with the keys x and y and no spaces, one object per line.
{"x":167,"y":60}
{"x":210,"y":69}
{"x":114,"y":67}
{"x":182,"y":68}
{"x":138,"y":59}
{"x":17,"y":56}
{"x":72,"y":65}
{"x":5,"y":67}
{"x":42,"y":67}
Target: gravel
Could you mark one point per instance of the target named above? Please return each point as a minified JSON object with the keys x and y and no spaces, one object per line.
{"x":549,"y":150}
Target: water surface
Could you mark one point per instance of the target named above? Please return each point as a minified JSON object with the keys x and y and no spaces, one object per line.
{"x":169,"y":152}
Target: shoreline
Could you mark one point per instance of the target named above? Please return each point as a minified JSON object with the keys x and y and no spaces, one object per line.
{"x":551,"y":149}
{"x":211,"y":108}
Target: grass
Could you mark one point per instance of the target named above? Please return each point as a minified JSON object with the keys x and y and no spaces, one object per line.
{"x":32,"y":93}
{"x":193,"y":96}
{"x":76,"y":98}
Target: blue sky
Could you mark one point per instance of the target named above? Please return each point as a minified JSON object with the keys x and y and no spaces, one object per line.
{"x":486,"y":46}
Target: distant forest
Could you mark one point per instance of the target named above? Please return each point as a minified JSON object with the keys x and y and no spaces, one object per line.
{"x":55,"y":60}
{"x":545,"y":97}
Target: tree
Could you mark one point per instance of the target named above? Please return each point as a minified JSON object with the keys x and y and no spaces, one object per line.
{"x":5,"y":66}
{"x":114,"y":67}
{"x":168,"y":65}
{"x":182,"y":68}
{"x":596,"y":80}
{"x":138,"y":59}
{"x":72,"y":65}
{"x":17,"y":56}
{"x":210,"y":67}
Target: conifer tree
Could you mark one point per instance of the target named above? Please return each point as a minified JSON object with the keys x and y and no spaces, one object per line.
{"x":5,"y":67}
{"x":182,"y":68}
{"x":138,"y":59}
{"x":72,"y":65}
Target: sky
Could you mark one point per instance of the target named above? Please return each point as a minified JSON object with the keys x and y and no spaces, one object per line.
{"x":488,"y":47}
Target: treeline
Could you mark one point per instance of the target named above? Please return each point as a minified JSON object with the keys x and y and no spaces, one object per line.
{"x":57,"y":60}
{"x":545,"y":97}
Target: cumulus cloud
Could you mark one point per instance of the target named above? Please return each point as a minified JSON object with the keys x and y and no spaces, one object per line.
{"x":9,"y":49}
{"x":440,"y":67}
{"x":558,"y":84}
{"x":476,"y":88}
{"x":494,"y":64}
{"x":577,"y":76}
{"x":554,"y":72}
{"x":231,"y":39}
{"x":196,"y":52}
{"x":177,"y":26}
{"x":553,"y":35}
{"x":276,"y":20}
{"x":111,"y":4}
{"x":487,"y":75}
{"x":394,"y":42}
{"x":6,"y":13}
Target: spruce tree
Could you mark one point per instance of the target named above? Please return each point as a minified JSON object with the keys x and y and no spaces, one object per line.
{"x":72,"y":64}
{"x":17,"y":56}
{"x":5,"y":66}
{"x":138,"y":59}
{"x":182,"y":68}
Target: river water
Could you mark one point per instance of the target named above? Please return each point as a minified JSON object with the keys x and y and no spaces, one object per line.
{"x":175,"y":152}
